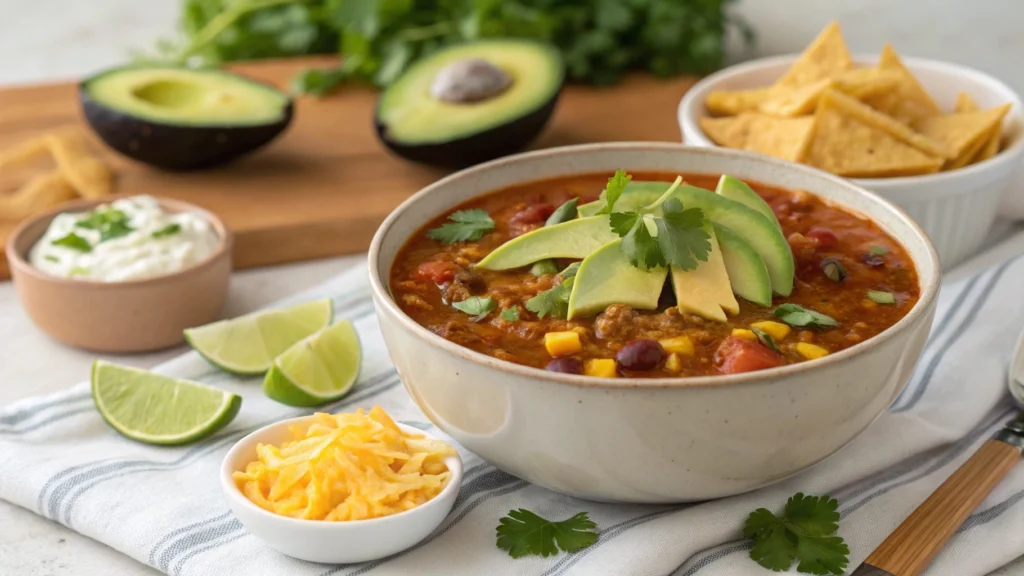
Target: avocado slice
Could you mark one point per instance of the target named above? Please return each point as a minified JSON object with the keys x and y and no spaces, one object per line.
{"x":471,"y":102}
{"x":750,"y":225}
{"x":573,"y":239}
{"x":705,"y":290}
{"x":635,"y":195}
{"x":748,"y":273}
{"x":735,"y":189}
{"x":606,"y":277}
{"x":180,"y":118}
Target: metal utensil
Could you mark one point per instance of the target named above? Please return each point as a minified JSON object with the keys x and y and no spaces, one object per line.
{"x":911,"y":547}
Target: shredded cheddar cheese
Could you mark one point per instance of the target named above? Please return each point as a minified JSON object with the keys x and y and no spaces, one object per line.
{"x":346,"y":467}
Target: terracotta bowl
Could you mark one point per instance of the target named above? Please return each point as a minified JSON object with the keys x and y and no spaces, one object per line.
{"x":130,"y":316}
{"x":650,"y":440}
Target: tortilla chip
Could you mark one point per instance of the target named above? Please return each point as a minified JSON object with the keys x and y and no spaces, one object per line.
{"x":825,"y":57}
{"x":858,"y":83}
{"x":863,"y":83}
{"x":780,"y":137}
{"x":42,"y":192}
{"x":907,"y":101}
{"x":990,"y":147}
{"x":732,"y":102}
{"x":846,"y":145}
{"x":850,"y":107}
{"x":964,"y":103}
{"x":962,"y":131}
{"x":90,"y":177}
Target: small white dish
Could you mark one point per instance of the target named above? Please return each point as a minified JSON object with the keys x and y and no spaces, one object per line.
{"x":332,"y":542}
{"x":955,"y":208}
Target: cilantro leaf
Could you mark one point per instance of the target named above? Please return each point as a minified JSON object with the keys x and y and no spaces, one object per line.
{"x":805,"y":532}
{"x":765,"y":338}
{"x":553,"y":302}
{"x":822,"y":555}
{"x":622,"y":222}
{"x":569,"y":272}
{"x":97,"y":219}
{"x":814,"y":515}
{"x":681,"y":235}
{"x":510,"y":314}
{"x":464,"y":225}
{"x":796,"y":315}
{"x":564,"y":213}
{"x":115,"y":229}
{"x":73,"y":241}
{"x":476,"y":306}
{"x":882,"y":297}
{"x":760,"y":522}
{"x":523,"y":533}
{"x":641,"y":248}
{"x":169,"y":230}
{"x":612,"y":192}
{"x":775,"y":550}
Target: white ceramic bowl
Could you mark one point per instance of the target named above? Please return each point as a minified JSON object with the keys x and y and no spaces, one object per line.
{"x":649,"y":440}
{"x":332,"y":542}
{"x":955,"y":208}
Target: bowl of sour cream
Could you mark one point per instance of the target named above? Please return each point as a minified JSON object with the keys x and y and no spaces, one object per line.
{"x":121,"y":275}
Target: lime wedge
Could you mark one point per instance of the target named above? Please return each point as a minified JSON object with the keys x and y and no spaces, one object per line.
{"x":247,"y":345}
{"x":157,"y":409}
{"x":317,"y":370}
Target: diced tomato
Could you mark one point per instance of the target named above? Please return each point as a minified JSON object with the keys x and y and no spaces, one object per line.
{"x":825,"y":237}
{"x":533,"y":214}
{"x":737,"y":355}
{"x":437,"y":272}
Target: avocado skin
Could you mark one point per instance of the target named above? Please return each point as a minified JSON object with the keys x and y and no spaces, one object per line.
{"x":499,"y":141}
{"x":176,"y":147}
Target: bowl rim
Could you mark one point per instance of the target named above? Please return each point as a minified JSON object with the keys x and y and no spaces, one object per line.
{"x":233,"y":493}
{"x":19,"y":264}
{"x":688,"y":111}
{"x":386,"y":303}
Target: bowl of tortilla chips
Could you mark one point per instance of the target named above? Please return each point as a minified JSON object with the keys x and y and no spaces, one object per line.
{"x":942,"y":141}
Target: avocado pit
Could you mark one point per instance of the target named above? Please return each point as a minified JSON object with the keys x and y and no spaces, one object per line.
{"x":469,"y":80}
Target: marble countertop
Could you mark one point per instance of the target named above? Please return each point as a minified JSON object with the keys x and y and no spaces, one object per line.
{"x":65,"y":39}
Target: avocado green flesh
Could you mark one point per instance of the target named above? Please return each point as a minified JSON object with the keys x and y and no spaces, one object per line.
{"x":606,"y":277}
{"x":412,"y":116}
{"x":573,"y":239}
{"x":635,"y":195}
{"x":747,"y":272}
{"x":705,"y":290}
{"x":187,"y":97}
{"x":735,"y":189}
{"x":750,"y":225}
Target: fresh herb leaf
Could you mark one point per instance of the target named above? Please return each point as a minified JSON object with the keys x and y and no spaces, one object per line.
{"x":564,"y":213}
{"x":115,"y":229}
{"x":476,"y":307}
{"x":542,"y":267}
{"x":570,"y":271}
{"x":78,"y":271}
{"x":878,"y":250}
{"x":464,"y":225}
{"x":613,"y":191}
{"x":522,"y":533}
{"x":882,"y":297}
{"x":51,"y":258}
{"x":796,"y":315}
{"x":681,"y":235}
{"x":805,"y":532}
{"x":765,"y":338}
{"x":73,"y":241}
{"x":169,"y":230}
{"x":510,"y":314}
{"x":554,"y":301}
{"x":97,"y":219}
{"x":641,"y":248}
{"x":622,"y":222}
{"x":833,"y":269}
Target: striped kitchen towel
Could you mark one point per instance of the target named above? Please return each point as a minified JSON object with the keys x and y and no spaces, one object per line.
{"x":163,"y":506}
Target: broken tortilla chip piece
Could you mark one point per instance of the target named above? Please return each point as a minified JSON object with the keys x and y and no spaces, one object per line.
{"x":907,"y":100}
{"x":770,"y":135}
{"x":867,"y":115}
{"x":89,"y":176}
{"x":846,"y":145}
{"x":732,"y":102}
{"x":824,"y":58}
{"x":40,"y":193}
{"x":962,"y":132}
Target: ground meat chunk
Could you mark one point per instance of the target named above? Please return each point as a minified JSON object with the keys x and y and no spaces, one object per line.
{"x":615,"y":323}
{"x":417,"y":302}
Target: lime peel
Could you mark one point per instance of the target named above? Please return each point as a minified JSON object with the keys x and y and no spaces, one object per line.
{"x":317,"y":370}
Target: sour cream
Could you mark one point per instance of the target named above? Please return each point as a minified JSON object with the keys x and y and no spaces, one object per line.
{"x":144,"y":241}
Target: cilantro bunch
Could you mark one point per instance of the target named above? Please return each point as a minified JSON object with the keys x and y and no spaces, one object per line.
{"x":805,"y":532}
{"x":599,"y":39}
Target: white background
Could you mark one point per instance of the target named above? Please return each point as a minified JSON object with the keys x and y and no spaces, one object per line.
{"x":47,"y":40}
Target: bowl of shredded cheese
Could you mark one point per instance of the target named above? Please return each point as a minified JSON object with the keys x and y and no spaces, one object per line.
{"x":341,"y":488}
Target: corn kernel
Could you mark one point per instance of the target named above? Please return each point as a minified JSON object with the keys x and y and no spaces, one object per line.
{"x":673,"y":364}
{"x":600,"y":367}
{"x":777,"y":330}
{"x":810,"y":351}
{"x":681,"y":345}
{"x":744,"y":333}
{"x":562,"y":343}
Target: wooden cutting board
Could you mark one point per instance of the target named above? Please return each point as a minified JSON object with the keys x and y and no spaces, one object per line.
{"x":324,"y":186}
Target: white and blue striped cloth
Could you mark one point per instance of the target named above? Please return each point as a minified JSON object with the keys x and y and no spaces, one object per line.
{"x":164,"y":507}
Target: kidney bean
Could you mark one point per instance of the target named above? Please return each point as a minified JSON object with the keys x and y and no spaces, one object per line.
{"x":640,"y":355}
{"x":565,"y":365}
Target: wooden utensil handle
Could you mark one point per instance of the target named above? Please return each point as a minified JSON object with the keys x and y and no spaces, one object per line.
{"x":911,"y":547}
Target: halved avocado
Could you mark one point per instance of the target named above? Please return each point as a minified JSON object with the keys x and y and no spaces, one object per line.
{"x":180,"y":118}
{"x":471,"y":102}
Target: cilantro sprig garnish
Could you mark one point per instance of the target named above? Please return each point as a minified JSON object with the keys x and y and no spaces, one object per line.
{"x":476,"y":307}
{"x":681,"y":240}
{"x":805,"y":533}
{"x":169,"y":230}
{"x":522,"y":533}
{"x":73,"y":241}
{"x":554,"y":301}
{"x":796,"y":315}
{"x":764,"y":338}
{"x":613,"y":190}
{"x":111,"y":223}
{"x":510,"y":314}
{"x":465,"y":225}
